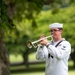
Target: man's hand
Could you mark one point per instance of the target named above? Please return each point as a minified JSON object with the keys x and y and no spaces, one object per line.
{"x":43,"y":41}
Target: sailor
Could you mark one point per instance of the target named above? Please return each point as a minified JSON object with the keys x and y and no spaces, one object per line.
{"x":55,"y":52}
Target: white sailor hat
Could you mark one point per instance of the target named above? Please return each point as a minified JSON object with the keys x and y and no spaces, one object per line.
{"x":56,"y":25}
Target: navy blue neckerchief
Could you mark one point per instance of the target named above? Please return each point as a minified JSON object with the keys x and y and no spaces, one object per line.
{"x":55,"y":46}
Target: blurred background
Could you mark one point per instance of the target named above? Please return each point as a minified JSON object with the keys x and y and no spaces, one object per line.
{"x":23,"y":20}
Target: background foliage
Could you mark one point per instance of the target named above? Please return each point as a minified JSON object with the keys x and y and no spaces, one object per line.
{"x":46,"y":17}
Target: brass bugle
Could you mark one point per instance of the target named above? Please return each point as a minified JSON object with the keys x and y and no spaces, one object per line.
{"x":33,"y":44}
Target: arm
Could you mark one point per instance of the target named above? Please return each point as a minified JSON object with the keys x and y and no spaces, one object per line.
{"x":41,"y":53}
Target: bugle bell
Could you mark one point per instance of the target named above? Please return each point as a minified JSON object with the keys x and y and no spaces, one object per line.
{"x":33,"y":44}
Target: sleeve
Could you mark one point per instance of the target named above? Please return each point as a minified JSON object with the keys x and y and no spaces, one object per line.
{"x":60,"y":52}
{"x":41,"y":53}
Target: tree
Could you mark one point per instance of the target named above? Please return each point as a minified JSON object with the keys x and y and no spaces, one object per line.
{"x":14,"y":9}
{"x":4,"y":57}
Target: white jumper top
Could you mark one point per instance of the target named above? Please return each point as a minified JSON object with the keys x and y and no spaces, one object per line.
{"x":57,"y":63}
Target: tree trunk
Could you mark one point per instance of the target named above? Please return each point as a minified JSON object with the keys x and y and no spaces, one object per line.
{"x":25,"y":58}
{"x":4,"y":58}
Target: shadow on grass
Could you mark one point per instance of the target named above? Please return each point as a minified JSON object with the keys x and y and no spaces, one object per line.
{"x":26,"y":70}
{"x":34,"y":69}
{"x":30,"y":68}
{"x":71,"y":68}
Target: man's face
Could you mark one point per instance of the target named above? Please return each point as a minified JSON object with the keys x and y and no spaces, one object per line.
{"x":55,"y":32}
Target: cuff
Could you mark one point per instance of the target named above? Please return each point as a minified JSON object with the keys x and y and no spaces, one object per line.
{"x":47,"y":45}
{"x":40,"y":46}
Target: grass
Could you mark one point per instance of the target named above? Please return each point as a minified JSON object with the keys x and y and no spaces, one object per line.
{"x":41,"y":73}
{"x":14,"y":58}
{"x":72,"y":72}
{"x":31,"y":58}
{"x":31,"y":73}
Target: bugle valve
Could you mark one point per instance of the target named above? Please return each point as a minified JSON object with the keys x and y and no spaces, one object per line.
{"x":33,"y":44}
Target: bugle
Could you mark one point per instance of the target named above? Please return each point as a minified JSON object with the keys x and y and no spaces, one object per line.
{"x":33,"y":44}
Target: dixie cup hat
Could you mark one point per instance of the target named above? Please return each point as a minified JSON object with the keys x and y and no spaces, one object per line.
{"x":56,"y":25}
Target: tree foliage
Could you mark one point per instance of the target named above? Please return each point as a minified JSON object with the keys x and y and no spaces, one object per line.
{"x":28,"y":26}
{"x":66,"y":18}
{"x":21,"y":12}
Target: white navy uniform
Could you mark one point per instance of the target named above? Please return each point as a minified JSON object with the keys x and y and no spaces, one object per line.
{"x":57,"y":62}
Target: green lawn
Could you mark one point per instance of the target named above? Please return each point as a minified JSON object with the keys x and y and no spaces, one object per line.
{"x":31,"y":58}
{"x":30,"y":73}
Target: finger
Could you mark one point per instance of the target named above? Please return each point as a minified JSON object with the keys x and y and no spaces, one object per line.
{"x":42,"y":36}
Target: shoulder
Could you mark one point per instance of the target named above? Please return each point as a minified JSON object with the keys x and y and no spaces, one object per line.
{"x":65,"y":42}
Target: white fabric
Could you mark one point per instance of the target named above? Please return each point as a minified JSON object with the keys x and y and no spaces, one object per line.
{"x":56,"y":25}
{"x":58,"y":65}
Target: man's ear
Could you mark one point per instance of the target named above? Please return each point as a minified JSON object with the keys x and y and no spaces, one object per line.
{"x":61,"y":31}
